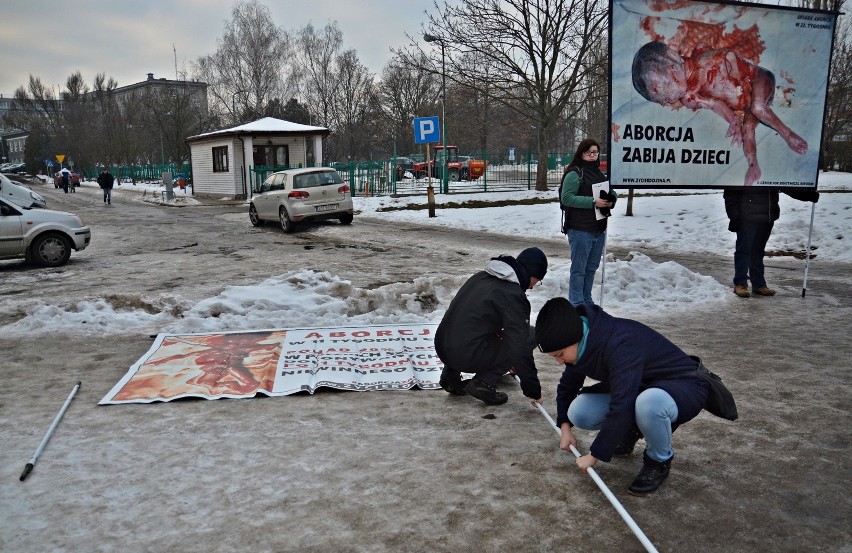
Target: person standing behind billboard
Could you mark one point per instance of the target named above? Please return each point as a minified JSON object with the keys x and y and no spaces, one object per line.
{"x":752,"y":213}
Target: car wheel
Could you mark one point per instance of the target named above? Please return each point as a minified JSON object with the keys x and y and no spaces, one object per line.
{"x":422,"y":175}
{"x":454,"y":175}
{"x":50,"y":250}
{"x":346,"y":219}
{"x":286,"y":224}
{"x":255,"y":220}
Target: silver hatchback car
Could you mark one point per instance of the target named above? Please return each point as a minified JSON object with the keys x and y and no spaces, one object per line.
{"x":297,"y":195}
{"x":41,"y":236}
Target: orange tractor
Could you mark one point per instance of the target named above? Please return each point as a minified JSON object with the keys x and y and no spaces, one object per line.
{"x":458,"y":167}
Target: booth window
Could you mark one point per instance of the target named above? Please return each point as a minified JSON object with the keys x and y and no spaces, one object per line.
{"x":220,"y":159}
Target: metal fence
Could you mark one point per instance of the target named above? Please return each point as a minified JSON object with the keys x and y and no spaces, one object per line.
{"x":141,"y":173}
{"x":387,"y":177}
{"x":383,"y":178}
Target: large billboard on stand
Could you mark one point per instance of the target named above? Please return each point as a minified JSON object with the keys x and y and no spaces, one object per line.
{"x":708,"y":95}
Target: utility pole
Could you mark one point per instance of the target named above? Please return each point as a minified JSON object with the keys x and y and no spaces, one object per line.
{"x":431,"y":38}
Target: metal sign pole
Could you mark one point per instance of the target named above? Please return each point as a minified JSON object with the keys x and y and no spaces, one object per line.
{"x":603,"y":271}
{"x":808,"y":251}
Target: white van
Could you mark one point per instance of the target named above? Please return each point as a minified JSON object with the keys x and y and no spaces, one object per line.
{"x":19,"y":194}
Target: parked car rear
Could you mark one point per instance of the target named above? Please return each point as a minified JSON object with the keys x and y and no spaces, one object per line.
{"x":41,"y":236}
{"x":297,"y":195}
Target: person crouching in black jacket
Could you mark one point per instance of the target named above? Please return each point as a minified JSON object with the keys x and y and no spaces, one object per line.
{"x":486,"y":329}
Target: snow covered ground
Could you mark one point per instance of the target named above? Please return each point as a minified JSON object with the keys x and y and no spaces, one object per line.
{"x":681,"y":221}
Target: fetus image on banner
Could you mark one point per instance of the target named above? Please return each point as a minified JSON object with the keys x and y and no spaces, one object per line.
{"x":722,"y":80}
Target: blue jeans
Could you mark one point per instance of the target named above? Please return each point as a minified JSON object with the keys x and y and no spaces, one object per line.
{"x":108,"y":195}
{"x":748,"y":255}
{"x":586,"y":250}
{"x":655,"y":412}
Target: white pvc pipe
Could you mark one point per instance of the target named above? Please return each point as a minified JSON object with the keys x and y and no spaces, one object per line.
{"x":808,"y":250}
{"x":643,"y":539}
{"x":50,"y":430}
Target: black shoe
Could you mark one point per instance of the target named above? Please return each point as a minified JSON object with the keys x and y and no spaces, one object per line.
{"x":626,"y":445}
{"x":651,"y":476}
{"x":483,"y":392}
{"x":451,"y":382}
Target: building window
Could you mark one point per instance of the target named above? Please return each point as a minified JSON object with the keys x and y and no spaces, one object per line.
{"x":220,"y":159}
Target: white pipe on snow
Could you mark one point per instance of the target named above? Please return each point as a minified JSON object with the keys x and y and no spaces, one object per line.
{"x":50,"y":430}
{"x":643,"y":539}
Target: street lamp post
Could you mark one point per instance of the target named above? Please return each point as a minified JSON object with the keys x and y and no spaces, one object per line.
{"x":444,"y":184}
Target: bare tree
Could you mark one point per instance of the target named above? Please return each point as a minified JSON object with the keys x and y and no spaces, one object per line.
{"x":352,"y":108}
{"x":469,"y":111}
{"x":403,"y":93}
{"x":35,"y":107}
{"x":314,"y":57}
{"x":247,"y":71}
{"x":533,"y":55}
{"x":62,"y":125}
{"x":112,"y":124}
{"x":837,"y":127}
{"x":837,"y":131}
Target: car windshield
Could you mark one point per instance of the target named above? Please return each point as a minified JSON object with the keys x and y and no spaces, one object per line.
{"x":317,"y":178}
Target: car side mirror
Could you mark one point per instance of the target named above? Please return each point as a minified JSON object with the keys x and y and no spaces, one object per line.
{"x":5,"y":210}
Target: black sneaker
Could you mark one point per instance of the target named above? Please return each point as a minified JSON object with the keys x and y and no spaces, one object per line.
{"x":451,"y":382}
{"x":483,"y":392}
{"x":651,"y":476}
{"x":626,"y":445}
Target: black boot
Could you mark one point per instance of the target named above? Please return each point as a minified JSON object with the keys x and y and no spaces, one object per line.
{"x":651,"y":476}
{"x":451,"y":382}
{"x":483,"y":392}
{"x":626,"y":444}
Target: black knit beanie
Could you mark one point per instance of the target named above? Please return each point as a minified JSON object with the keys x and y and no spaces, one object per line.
{"x":557,"y":326}
{"x":534,"y":262}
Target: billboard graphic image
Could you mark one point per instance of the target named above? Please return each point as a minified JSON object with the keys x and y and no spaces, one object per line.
{"x":280,"y":362}
{"x":708,"y":95}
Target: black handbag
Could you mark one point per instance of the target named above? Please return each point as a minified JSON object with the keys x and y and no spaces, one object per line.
{"x":720,"y":400}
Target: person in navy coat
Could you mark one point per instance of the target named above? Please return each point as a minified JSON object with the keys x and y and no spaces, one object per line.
{"x":646,"y":386}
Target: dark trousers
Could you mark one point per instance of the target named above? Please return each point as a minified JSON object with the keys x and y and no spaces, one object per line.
{"x":491,"y":361}
{"x":748,"y":255}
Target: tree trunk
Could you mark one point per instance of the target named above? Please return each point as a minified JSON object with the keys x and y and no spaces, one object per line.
{"x":541,"y":172}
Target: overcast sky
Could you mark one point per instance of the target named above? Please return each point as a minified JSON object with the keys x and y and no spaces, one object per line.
{"x":126,"y":40}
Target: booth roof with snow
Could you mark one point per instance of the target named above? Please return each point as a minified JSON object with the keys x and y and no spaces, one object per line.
{"x":226,"y":163}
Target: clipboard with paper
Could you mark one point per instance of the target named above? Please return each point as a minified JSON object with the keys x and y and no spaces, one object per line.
{"x":596,"y":193}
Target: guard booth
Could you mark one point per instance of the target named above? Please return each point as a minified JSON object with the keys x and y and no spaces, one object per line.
{"x":225,"y":162}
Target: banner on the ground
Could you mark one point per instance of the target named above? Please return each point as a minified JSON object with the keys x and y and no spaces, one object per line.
{"x":281,"y":362}
{"x":707,"y":94}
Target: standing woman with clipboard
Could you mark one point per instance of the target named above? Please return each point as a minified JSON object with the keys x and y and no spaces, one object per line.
{"x":586,"y":232}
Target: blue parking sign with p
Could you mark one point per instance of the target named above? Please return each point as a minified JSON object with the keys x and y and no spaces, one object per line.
{"x":427,"y":129}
